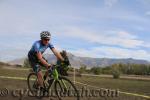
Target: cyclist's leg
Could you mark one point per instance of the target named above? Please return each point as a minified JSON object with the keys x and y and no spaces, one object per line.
{"x":37,"y":70}
{"x":40,"y":78}
{"x":45,"y":75}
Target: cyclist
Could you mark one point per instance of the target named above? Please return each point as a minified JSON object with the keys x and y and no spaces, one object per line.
{"x":36,"y":59}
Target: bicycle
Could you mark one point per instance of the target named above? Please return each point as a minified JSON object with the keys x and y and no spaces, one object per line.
{"x":62,"y":85}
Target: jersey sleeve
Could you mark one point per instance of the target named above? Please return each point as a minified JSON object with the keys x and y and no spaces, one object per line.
{"x":37,"y":47}
{"x":51,"y":46}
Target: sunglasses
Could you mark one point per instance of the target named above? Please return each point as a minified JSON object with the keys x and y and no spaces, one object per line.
{"x":46,"y":39}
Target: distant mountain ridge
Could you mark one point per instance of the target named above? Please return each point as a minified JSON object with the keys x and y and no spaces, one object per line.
{"x":77,"y":61}
{"x":102,"y":62}
{"x":17,"y":61}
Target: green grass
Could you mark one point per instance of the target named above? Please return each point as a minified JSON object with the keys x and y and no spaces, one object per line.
{"x":19,"y":84}
{"x":133,"y":86}
{"x":13,"y":72}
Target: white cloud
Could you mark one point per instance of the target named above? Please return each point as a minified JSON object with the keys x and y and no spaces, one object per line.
{"x":28,"y":17}
{"x":110,"y":3}
{"x":112,"y":52}
{"x":24,"y":17}
{"x":123,"y":53}
{"x":21,"y":17}
{"x":147,"y":13}
{"x":145,"y":3}
{"x":126,"y":35}
{"x":116,"y":38}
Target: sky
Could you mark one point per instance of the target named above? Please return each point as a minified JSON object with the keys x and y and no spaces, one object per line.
{"x":87,"y":28}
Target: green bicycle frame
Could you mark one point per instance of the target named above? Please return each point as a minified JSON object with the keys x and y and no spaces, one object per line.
{"x":55,"y":74}
{"x":56,"y":77}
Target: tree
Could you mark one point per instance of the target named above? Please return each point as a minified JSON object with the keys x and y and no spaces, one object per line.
{"x":71,"y":69}
{"x":116,"y":74}
{"x":107,"y":70}
{"x":116,"y":71}
{"x":96,"y":70}
{"x":82,"y":69}
{"x":26,"y":63}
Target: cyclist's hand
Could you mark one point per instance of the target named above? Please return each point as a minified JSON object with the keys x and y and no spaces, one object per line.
{"x":66,"y":62}
{"x":49,"y":66}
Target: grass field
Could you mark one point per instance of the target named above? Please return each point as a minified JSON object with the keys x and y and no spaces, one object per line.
{"x":133,"y":86}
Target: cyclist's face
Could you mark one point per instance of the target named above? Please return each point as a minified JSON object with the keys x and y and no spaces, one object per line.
{"x":45,"y":41}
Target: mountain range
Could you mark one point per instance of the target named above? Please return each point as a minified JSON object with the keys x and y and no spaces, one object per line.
{"x":77,"y":61}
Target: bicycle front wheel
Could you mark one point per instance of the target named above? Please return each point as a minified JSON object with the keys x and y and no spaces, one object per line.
{"x":65,"y":89}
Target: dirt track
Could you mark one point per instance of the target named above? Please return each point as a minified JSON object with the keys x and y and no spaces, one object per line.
{"x":12,"y":85}
{"x":134,"y":77}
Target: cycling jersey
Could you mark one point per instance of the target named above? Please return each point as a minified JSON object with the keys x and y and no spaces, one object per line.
{"x":37,"y":47}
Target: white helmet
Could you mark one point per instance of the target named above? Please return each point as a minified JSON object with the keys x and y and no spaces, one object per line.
{"x":45,"y":34}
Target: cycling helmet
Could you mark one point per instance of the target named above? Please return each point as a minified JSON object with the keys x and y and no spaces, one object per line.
{"x":45,"y":34}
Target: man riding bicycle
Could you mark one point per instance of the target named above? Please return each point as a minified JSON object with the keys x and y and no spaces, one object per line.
{"x":36,"y":59}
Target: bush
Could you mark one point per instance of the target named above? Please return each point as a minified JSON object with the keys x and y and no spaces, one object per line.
{"x":96,"y":70}
{"x":116,"y":74}
{"x":71,"y":69}
{"x":26,"y":63}
{"x":82,"y":69}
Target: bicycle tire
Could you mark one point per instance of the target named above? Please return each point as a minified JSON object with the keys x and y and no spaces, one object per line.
{"x":58,"y":83}
{"x":36,"y":91}
{"x":29,"y":81}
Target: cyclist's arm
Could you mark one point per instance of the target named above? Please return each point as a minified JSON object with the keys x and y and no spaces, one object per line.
{"x":57,"y":54}
{"x":43,"y":61}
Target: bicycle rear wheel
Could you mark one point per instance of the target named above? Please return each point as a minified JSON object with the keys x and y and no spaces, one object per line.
{"x":65,"y":89}
{"x":32,"y":83}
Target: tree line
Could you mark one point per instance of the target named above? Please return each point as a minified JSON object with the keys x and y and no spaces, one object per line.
{"x":114,"y":69}
{"x":129,"y":69}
